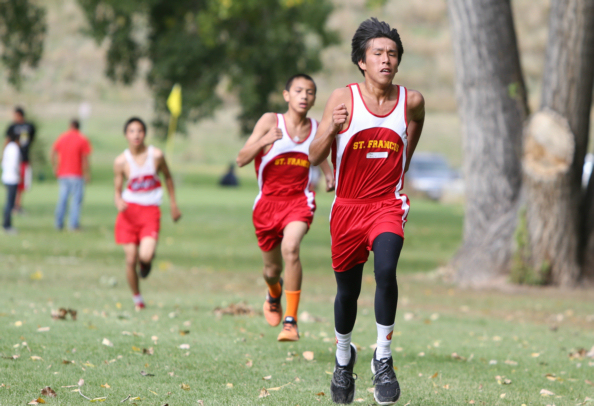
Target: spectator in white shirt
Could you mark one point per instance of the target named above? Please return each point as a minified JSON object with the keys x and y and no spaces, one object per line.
{"x":11,"y":160}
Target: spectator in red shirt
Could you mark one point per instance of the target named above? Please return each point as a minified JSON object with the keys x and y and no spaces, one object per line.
{"x":70,"y":160}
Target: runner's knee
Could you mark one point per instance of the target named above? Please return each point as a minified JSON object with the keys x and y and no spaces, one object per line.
{"x":272,"y":270}
{"x":385,"y":275}
{"x":290,"y":250}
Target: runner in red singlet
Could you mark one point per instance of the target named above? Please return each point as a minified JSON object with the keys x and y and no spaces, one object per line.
{"x":138,"y":222}
{"x":285,"y":206}
{"x":372,"y":129}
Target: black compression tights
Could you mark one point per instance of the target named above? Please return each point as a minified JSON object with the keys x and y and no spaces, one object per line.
{"x":386,"y":249}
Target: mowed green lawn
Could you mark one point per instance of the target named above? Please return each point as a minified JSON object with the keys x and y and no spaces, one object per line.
{"x":451,"y":346}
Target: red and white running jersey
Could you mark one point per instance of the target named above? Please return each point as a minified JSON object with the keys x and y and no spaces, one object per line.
{"x":285,"y":170}
{"x":369,"y":156}
{"x":144,"y":186}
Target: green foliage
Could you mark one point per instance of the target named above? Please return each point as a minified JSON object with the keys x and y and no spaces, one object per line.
{"x":253,"y":45}
{"x":22,"y":31}
{"x":521,"y":271}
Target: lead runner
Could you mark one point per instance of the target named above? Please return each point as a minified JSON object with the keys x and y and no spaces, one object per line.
{"x":372,"y":129}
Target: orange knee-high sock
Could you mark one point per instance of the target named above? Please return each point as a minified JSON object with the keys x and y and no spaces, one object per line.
{"x":292,"y":303}
{"x":275,"y":290}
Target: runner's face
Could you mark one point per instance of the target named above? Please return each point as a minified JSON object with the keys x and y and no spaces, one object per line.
{"x":381,"y":60}
{"x":135,"y":134}
{"x":301,"y":96}
{"x":18,"y":118}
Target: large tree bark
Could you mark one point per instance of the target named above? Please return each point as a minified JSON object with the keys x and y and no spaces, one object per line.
{"x":556,"y":141}
{"x":492,"y":106}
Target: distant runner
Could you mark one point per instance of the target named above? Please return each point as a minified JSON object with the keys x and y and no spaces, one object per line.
{"x":138,"y":222}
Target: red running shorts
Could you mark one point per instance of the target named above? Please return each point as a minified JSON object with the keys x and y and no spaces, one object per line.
{"x":272,"y":214}
{"x":354,"y":225}
{"x":136,"y":223}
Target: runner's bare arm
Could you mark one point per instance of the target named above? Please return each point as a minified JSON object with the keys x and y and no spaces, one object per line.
{"x":118,"y":182}
{"x":336,"y":115}
{"x":328,"y":174}
{"x":162,"y":167}
{"x":265,"y":133}
{"x":416,"y":114}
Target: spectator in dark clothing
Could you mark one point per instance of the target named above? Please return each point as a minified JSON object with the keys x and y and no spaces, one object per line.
{"x":11,"y":157}
{"x":229,"y":179}
{"x":25,"y":133}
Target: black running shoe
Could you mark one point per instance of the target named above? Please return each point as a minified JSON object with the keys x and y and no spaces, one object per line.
{"x":342,"y":387}
{"x":145,"y":269}
{"x":387,"y":389}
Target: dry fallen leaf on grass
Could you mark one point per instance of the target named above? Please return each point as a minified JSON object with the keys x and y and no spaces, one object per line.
{"x":184,"y":346}
{"x":510,"y":362}
{"x":456,"y":356}
{"x":308,"y":355}
{"x":235,"y":309}
{"x":101,"y":399}
{"x":43,"y":329}
{"x":589,"y":382}
{"x":148,"y":351}
{"x":279,"y":387}
{"x":545,"y":392}
{"x":229,"y":386}
{"x":434,"y":375}
{"x":37,"y":401}
{"x":146,"y":373}
{"x":249,"y":363}
{"x":106,"y":385}
{"x":185,"y":386}
{"x":47,"y":391}
{"x":184,"y":332}
{"x":81,"y":382}
{"x":578,"y":354}
{"x":267,"y":378}
{"x":59,"y":314}
{"x":107,"y":342}
{"x":263,"y":393}
{"x":36,"y":358}
{"x":320,"y":394}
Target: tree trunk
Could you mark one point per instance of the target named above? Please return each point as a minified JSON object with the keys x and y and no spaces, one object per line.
{"x":492,"y":106}
{"x":556,"y":141}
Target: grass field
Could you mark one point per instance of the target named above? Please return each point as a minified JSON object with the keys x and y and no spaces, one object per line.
{"x":210,"y":259}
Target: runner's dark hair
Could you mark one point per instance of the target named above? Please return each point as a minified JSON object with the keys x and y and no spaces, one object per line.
{"x":75,"y":123}
{"x":297,"y":76}
{"x":132,"y":120}
{"x":368,"y":30}
{"x":19,"y":109}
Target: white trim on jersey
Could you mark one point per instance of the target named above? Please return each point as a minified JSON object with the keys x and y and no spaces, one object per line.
{"x":286,"y":145}
{"x":362,"y":119}
{"x":154,"y":195}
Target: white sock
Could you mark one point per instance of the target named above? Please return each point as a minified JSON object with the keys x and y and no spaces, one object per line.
{"x":384,"y":340}
{"x":343,"y":348}
{"x":137,"y":299}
